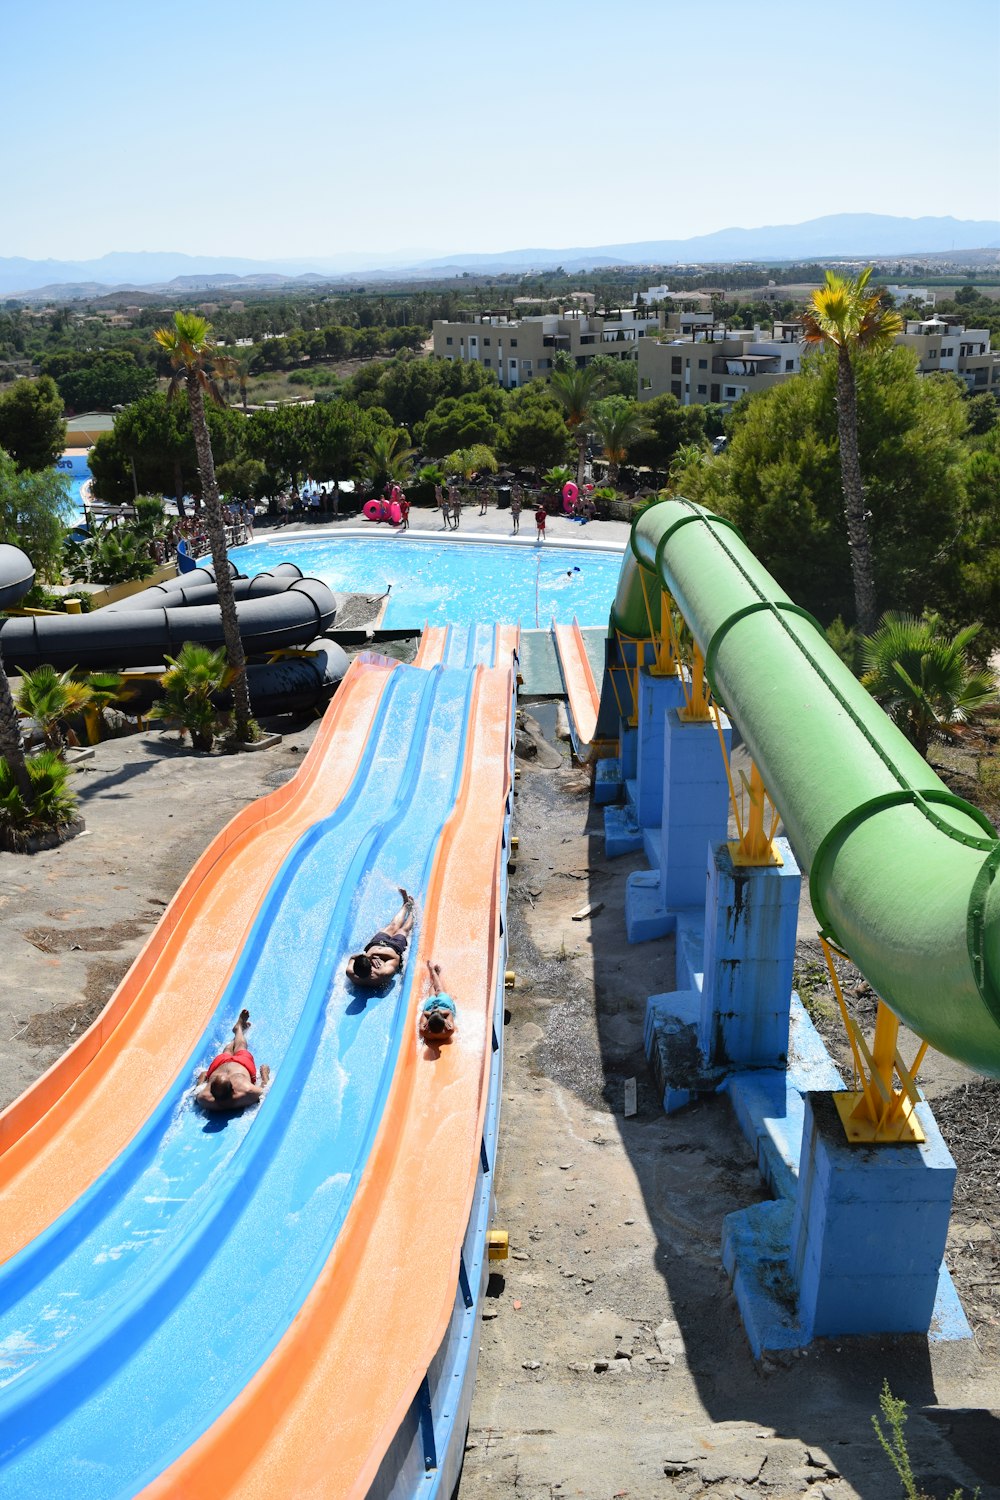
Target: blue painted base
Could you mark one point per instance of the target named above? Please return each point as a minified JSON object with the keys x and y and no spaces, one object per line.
{"x":689,"y":950}
{"x":622,"y":834}
{"x":608,"y":781}
{"x":646,"y":917}
{"x":671,"y":1043}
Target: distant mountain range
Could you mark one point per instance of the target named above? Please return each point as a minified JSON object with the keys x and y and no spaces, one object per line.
{"x":848,"y":236}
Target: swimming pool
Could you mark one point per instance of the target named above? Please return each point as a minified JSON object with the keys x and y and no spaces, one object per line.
{"x":454,"y":582}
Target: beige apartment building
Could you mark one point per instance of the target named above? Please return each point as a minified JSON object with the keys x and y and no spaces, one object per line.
{"x":520,"y":349}
{"x":707,"y":362}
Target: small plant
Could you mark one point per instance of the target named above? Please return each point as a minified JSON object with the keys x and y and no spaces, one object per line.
{"x":556,"y":477}
{"x":894,"y":1445}
{"x":192,"y":683}
{"x":52,"y":805}
{"x":845,"y":642}
{"x":106,"y":690}
{"x":52,"y":698}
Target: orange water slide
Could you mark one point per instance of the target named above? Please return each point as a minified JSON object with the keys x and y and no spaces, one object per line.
{"x":433,"y":639}
{"x":434,"y":642}
{"x":65,"y":1130}
{"x":578,"y":679}
{"x":319,"y":1415}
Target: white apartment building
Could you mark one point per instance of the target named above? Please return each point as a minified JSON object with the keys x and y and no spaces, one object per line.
{"x":520,"y":349}
{"x":941,"y":344}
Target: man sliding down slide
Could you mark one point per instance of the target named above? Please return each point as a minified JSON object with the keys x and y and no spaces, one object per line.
{"x":383,"y":954}
{"x":230,"y":1080}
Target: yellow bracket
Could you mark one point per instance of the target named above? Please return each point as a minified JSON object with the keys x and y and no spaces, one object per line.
{"x":498,"y":1244}
{"x":697,"y":709}
{"x":876,"y":1111}
{"x":667,"y":658}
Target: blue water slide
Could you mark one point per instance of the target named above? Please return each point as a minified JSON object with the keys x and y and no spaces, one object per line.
{"x":138,"y":1317}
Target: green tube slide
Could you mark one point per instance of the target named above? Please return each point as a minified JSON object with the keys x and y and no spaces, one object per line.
{"x":901,"y":871}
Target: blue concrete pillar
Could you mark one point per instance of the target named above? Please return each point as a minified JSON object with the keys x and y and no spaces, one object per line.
{"x":628,"y":750}
{"x":656,"y":696}
{"x":869,"y":1228}
{"x":695,"y":807}
{"x":751,"y":916}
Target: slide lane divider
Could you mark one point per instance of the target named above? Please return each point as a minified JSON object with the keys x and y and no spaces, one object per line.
{"x":287,"y":1073}
{"x":58,"y":1137}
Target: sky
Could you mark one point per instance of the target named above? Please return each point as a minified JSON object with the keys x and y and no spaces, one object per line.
{"x":388,"y":129}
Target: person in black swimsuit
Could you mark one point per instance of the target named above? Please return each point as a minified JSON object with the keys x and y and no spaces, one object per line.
{"x":383,"y":954}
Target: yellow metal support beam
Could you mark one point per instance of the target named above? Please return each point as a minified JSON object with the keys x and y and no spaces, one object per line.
{"x":876,"y":1111}
{"x":698,"y":709}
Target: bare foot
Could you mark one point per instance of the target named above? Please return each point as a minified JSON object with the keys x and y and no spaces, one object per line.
{"x":265,"y":1074}
{"x":244,"y":1022}
{"x":407,"y":898}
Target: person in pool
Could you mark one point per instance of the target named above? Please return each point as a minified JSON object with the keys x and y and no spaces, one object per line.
{"x":437,"y":1014}
{"x":383,"y":954}
{"x":230,"y":1080}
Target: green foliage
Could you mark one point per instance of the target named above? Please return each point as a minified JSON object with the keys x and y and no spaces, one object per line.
{"x":102,"y":380}
{"x":533,"y":432}
{"x":241,"y":478}
{"x":894,"y":1447}
{"x":34,"y":509}
{"x":114,"y":553}
{"x":845,"y":641}
{"x":923,"y":677}
{"x":457,"y":423}
{"x":195,"y":678}
{"x":51,"y":806}
{"x":431,"y":474}
{"x":52,"y":698}
{"x":108,"y":690}
{"x":670,"y":426}
{"x":32,"y":429}
{"x":556,"y":477}
{"x":388,"y":459}
{"x":779,"y":480}
{"x":619,"y":377}
{"x":982,"y":412}
{"x":468,"y":462}
{"x":155,"y":436}
{"x":618,"y":423}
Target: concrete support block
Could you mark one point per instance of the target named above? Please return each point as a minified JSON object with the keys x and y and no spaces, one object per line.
{"x":622,"y":834}
{"x":695,"y":807}
{"x":608,"y":781}
{"x":751,"y":915}
{"x":657,"y":695}
{"x":869,"y":1228}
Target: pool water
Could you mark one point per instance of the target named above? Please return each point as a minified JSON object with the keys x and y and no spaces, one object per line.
{"x":454,"y":583}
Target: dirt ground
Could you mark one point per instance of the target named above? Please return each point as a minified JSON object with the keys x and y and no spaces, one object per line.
{"x":613,"y":1360}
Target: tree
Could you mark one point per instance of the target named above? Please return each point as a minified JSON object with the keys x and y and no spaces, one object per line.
{"x":32,"y":429}
{"x":468,"y":462}
{"x":779,"y":480}
{"x":533,"y":431}
{"x":850,"y":318}
{"x":922,"y":676}
{"x":618,"y":422}
{"x":52,"y":698}
{"x":150,"y":451}
{"x":106,"y":380}
{"x":34,"y":510}
{"x":457,"y":423}
{"x":190,"y":349}
{"x":670,"y":426}
{"x":619,"y":377}
{"x":576,"y":391}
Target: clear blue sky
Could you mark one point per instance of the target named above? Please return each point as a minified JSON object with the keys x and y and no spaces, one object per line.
{"x":319,"y":127}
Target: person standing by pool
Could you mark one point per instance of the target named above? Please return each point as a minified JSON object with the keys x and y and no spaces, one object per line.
{"x":484,"y":499}
{"x":404,"y":511}
{"x":516,"y":501}
{"x":441,"y":501}
{"x":456,"y":507}
{"x":540,"y":523}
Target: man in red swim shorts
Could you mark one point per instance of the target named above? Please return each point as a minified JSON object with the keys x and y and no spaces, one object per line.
{"x":230,"y":1080}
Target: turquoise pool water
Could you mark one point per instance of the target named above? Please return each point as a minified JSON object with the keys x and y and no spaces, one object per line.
{"x":445,"y":583}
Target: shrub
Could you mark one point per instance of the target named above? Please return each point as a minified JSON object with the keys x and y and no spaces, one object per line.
{"x":192,"y":683}
{"x":52,"y":805}
{"x":52,"y":698}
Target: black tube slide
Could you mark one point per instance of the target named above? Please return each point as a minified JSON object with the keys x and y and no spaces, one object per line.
{"x":16,"y":575}
{"x":110,"y":639}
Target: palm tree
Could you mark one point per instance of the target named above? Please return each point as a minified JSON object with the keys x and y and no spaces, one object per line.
{"x":12,"y":740}
{"x":923,"y":677}
{"x":618,"y":423}
{"x":576,"y":391}
{"x":478,"y":459}
{"x":242,"y":371}
{"x":191,"y":350}
{"x":686,"y":469}
{"x":51,"y":698}
{"x":388,"y":459}
{"x":849,"y":317}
